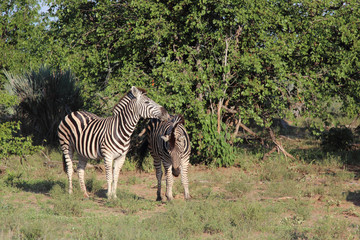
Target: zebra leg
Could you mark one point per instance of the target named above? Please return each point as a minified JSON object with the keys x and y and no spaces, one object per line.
{"x":68,"y":165}
{"x":118,"y":163}
{"x":109,"y":176}
{"x":169,"y":182}
{"x":159,"y":173}
{"x":185,"y":181}
{"x":81,"y":173}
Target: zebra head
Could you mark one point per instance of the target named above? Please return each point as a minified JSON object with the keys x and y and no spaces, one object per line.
{"x":176,"y":140}
{"x":147,"y":108}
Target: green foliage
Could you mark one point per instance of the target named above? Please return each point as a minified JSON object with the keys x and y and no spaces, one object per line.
{"x":337,"y":139}
{"x":213,"y":146}
{"x":21,"y":33}
{"x":10,"y":143}
{"x":198,"y":58}
{"x":45,"y":96}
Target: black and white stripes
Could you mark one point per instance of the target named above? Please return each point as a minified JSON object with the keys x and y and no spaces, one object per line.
{"x":169,"y":145}
{"x":93,"y":137}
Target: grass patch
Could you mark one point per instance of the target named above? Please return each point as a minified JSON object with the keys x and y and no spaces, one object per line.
{"x":277,"y":169}
{"x":239,"y":185}
{"x":271,"y":199}
{"x":65,"y":204}
{"x":130,"y":203}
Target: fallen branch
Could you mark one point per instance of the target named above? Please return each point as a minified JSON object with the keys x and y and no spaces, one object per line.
{"x":240,"y":124}
{"x":53,"y":164}
{"x":266,"y":155}
{"x":277,"y":199}
{"x":46,"y":156}
{"x":278,"y":146}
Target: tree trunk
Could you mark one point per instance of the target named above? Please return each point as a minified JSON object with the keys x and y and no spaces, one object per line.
{"x":219,"y":115}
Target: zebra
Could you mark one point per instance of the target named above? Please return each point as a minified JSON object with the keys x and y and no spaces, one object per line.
{"x":169,"y":145}
{"x":93,"y":137}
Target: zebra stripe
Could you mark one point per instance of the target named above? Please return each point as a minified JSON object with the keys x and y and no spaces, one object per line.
{"x":93,"y":137}
{"x":169,"y":145}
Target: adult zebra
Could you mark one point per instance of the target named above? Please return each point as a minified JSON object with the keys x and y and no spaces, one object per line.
{"x":169,"y":145}
{"x":93,"y":137}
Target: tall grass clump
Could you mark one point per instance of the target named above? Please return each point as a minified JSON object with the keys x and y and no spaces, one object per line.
{"x":45,"y":97}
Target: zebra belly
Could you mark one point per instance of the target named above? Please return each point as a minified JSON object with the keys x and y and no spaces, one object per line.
{"x":89,"y":143}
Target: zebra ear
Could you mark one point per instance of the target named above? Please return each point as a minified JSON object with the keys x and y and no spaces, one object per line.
{"x":165,"y":138}
{"x":135,"y":91}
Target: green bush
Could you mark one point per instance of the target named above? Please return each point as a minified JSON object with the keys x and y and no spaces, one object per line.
{"x":214,"y":146}
{"x":13,"y":144}
{"x":45,"y":96}
{"x":337,"y":139}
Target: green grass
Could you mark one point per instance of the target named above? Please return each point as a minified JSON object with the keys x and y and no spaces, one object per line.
{"x":272,"y":199}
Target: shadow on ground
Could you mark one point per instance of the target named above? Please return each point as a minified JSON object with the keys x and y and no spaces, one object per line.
{"x":41,"y":186}
{"x":353,"y":197}
{"x":101,"y":193}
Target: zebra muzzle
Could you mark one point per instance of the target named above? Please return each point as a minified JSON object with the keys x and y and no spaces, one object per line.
{"x":176,"y":171}
{"x":164,"y":114}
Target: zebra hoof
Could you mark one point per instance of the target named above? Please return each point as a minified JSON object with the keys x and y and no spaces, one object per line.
{"x":159,"y":199}
{"x":169,"y":198}
{"x":111,"y":196}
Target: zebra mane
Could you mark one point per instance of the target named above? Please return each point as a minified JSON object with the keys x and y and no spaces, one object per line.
{"x":142,"y":90}
{"x":178,"y":119}
{"x":123,"y":98}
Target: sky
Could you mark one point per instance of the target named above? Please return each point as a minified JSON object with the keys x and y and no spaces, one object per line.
{"x":44,"y":8}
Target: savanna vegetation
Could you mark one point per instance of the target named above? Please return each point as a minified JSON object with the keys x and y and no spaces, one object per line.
{"x":270,"y":92}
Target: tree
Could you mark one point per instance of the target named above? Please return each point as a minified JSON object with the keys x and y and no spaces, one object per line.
{"x":223,"y":64}
{"x":219,"y":63}
{"x":21,"y":31}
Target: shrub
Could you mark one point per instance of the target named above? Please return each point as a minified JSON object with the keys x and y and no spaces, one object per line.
{"x":11,"y":142}
{"x":214,"y":146}
{"x":45,"y":97}
{"x":337,"y":139}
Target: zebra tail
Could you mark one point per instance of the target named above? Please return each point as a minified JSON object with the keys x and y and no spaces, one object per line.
{"x":143,"y":150}
{"x":65,"y":167}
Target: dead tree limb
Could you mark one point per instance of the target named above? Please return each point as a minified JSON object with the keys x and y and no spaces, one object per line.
{"x":278,"y":146}
{"x":240,"y":124}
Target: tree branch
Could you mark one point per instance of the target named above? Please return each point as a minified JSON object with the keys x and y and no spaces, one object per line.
{"x":278,"y":146}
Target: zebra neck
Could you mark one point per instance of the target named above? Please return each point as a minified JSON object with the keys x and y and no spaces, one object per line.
{"x":123,"y":104}
{"x":127,"y":114}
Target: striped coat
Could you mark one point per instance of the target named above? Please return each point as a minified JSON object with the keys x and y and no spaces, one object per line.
{"x":169,"y":145}
{"x":93,"y":137}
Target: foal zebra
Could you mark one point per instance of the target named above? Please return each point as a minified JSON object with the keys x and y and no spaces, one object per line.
{"x":109,"y":138}
{"x":169,"y":144}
